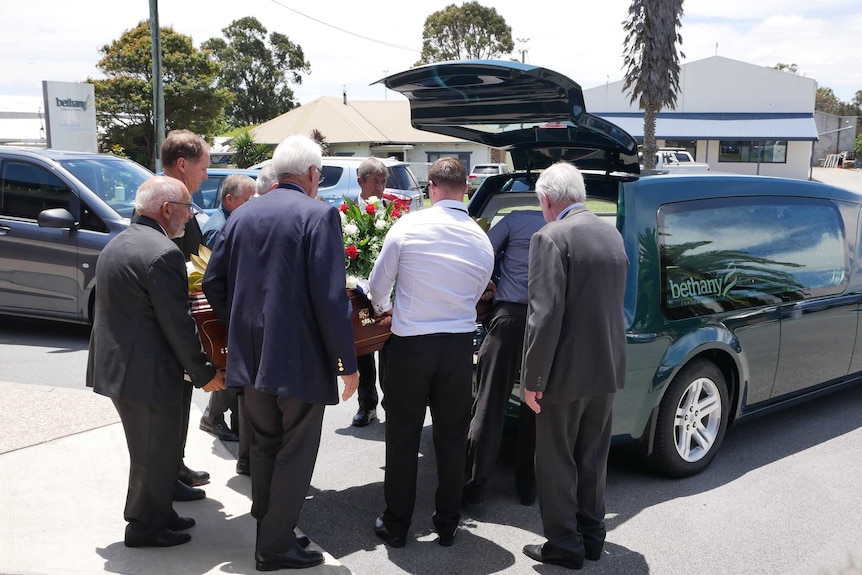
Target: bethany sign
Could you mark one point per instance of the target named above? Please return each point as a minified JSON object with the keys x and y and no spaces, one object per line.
{"x":70,"y":114}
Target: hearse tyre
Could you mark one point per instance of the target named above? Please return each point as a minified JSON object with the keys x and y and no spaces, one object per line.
{"x":692,"y":419}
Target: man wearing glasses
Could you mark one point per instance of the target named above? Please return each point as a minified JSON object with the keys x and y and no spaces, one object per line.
{"x":186,"y":157}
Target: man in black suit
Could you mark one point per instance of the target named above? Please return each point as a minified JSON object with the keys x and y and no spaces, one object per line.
{"x":276,"y":278}
{"x":574,"y":363}
{"x":186,"y":157}
{"x":143,"y":339}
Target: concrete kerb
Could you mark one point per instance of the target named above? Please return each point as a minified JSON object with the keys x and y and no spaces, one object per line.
{"x":64,"y":472}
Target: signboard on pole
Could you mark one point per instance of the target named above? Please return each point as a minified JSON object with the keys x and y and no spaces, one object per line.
{"x":70,"y":115}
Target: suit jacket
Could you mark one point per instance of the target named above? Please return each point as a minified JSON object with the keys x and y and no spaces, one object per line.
{"x":575,"y":343}
{"x":276,"y":278}
{"x":143,"y":335}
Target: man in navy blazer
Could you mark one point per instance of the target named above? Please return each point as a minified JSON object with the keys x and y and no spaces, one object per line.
{"x":142,"y":341}
{"x":276,"y":278}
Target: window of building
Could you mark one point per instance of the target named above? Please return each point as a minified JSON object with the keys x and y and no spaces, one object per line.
{"x":753,"y":151}
{"x":732,"y":253}
{"x":464,"y":157}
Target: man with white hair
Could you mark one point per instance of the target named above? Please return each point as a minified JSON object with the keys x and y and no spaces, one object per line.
{"x":574,"y":363}
{"x":276,"y":278}
{"x":266,"y":180}
{"x":141,"y":279}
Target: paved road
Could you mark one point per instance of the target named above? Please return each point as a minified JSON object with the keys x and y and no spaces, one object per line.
{"x":783,"y":497}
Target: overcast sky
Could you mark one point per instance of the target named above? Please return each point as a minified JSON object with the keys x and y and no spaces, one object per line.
{"x":351,"y":44}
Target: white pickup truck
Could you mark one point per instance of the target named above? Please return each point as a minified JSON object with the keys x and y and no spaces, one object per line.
{"x":678,"y":161}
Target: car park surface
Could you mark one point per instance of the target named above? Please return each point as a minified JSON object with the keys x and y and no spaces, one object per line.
{"x":58,"y":209}
{"x":743,"y":292}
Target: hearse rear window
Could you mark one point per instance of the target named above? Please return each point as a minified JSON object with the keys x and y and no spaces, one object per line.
{"x":732,"y":253}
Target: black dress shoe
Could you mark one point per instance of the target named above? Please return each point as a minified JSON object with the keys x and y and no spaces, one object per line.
{"x":526,"y":493}
{"x":181,"y":523}
{"x":538,"y":553}
{"x":473,"y":495}
{"x":296,"y":558}
{"x":192,"y":478}
{"x":593,"y":552}
{"x":446,"y":540}
{"x":363,"y":417}
{"x":388,"y":537}
{"x":165,"y":538}
{"x":183,"y":492}
{"x":220,"y":430}
{"x":242,"y":467}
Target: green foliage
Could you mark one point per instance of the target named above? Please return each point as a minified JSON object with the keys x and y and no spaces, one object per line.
{"x":857,"y":147}
{"x":792,"y":68}
{"x":364,"y":231}
{"x":652,"y":62}
{"x":247,"y":152}
{"x":125,"y":96}
{"x":827,"y":101}
{"x":469,"y":31}
{"x":256,"y":71}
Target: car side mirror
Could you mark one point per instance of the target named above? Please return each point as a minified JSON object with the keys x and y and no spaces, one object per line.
{"x":59,"y":218}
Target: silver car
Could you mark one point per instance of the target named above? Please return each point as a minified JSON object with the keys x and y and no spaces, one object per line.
{"x":57,"y":211}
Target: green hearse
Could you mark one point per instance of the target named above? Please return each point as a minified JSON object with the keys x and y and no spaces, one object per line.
{"x":744,"y":292}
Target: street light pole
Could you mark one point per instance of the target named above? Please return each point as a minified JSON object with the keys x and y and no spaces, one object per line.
{"x":158,"y":91}
{"x":523,"y":51}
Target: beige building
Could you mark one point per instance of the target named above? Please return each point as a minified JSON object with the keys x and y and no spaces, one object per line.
{"x":373,"y":128}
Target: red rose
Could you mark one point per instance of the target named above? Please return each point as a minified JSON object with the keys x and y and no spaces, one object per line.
{"x":352,"y":252}
{"x":370,"y":208}
{"x":395,"y":214}
{"x":343,"y":208}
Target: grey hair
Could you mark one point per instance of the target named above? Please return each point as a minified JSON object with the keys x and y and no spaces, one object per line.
{"x":372,"y":167}
{"x":562,"y":182}
{"x":234,"y":184}
{"x":265,"y":179}
{"x":154,"y":192}
{"x":295,"y":155}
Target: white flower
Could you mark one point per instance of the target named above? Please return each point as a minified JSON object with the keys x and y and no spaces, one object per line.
{"x":351,"y":282}
{"x":372,"y":200}
{"x":380,"y":224}
{"x":343,"y":218}
{"x":351,"y":230}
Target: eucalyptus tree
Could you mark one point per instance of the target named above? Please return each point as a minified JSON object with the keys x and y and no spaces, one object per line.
{"x":468,"y":31}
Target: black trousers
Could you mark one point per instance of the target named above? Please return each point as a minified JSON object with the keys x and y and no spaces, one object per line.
{"x":153,"y":437}
{"x":498,"y":367}
{"x":367,"y":382}
{"x":284,"y":443}
{"x":572,"y":444}
{"x":428,"y":370}
{"x":219,"y":403}
{"x":188,"y":389}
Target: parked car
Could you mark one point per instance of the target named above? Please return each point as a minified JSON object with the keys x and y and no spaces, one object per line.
{"x":57,"y":211}
{"x":743,"y":292}
{"x":208,"y":196}
{"x":339,"y":179}
{"x":481,"y":171}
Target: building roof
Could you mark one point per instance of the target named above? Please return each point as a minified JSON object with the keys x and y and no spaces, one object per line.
{"x":720,"y":126}
{"x":371,"y":121}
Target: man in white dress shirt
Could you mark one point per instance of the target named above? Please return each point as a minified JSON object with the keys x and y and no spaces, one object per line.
{"x":442,"y":261}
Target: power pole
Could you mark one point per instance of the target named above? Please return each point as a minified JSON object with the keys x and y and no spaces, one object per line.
{"x":158,"y":91}
{"x":523,"y":50}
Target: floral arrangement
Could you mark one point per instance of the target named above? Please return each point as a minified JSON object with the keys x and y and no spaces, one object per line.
{"x":364,"y":230}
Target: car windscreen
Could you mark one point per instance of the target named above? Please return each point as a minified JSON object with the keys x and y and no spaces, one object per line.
{"x":114,"y":180}
{"x":486,"y":170}
{"x":400,"y":178}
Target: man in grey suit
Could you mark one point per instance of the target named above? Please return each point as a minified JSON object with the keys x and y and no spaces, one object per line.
{"x":276,"y":278}
{"x":142,"y":341}
{"x":574,"y":362}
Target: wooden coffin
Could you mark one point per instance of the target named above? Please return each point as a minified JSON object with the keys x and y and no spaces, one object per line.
{"x":368,"y":336}
{"x":210,"y":329}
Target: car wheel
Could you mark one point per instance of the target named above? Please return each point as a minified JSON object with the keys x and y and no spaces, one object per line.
{"x":692,"y":419}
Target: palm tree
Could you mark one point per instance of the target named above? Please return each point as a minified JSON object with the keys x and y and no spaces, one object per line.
{"x":652,"y":62}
